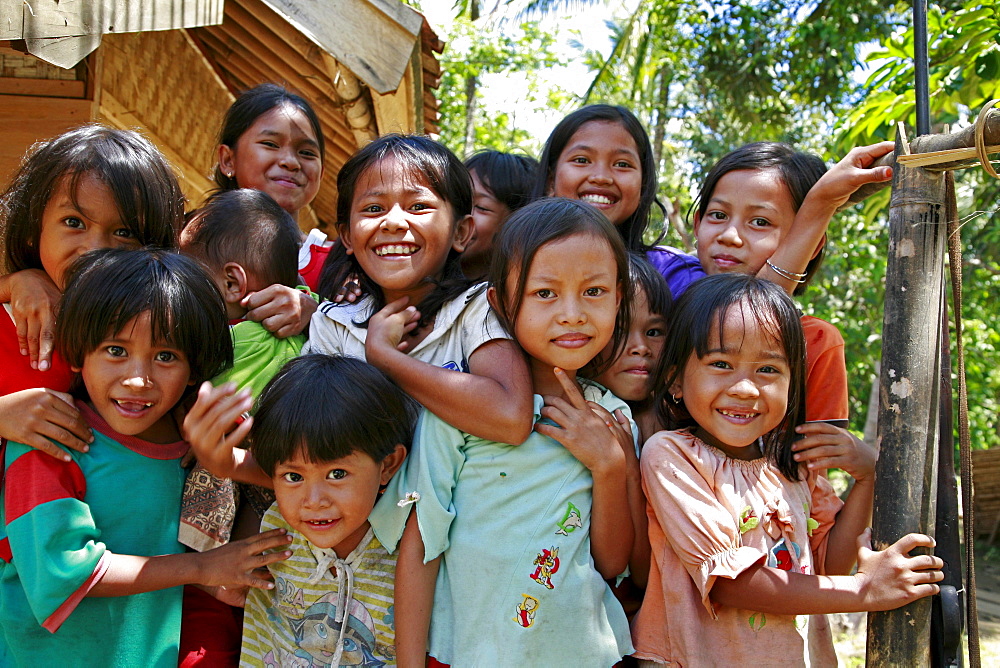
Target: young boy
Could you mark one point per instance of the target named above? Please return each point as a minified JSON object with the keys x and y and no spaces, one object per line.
{"x":247,"y":242}
{"x":329,"y":431}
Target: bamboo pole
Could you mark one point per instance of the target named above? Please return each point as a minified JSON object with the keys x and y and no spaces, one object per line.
{"x":964,"y":138}
{"x":906,"y":493}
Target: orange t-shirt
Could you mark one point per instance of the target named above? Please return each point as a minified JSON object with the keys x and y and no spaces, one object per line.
{"x":826,"y":371}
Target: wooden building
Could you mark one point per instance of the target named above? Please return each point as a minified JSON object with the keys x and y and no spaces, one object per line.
{"x":171,"y":68}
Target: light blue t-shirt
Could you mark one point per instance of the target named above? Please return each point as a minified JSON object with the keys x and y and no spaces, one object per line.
{"x":517,"y":584}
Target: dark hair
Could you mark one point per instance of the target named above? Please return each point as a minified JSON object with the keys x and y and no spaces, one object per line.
{"x":533,"y":226}
{"x":329,"y":406}
{"x":427,"y":161}
{"x":644,"y":275}
{"x":108,"y":287}
{"x":799,"y":171}
{"x":249,"y":228}
{"x":508,"y":176}
{"x":633,"y":228}
{"x":251,"y":105}
{"x":705,"y":304}
{"x":141,"y":182}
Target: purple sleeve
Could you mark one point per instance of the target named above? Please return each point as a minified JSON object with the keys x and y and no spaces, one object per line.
{"x":677,"y":267}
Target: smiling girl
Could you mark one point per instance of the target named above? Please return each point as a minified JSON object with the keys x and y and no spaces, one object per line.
{"x":505,"y":554}
{"x":404,"y":204}
{"x":745,"y":532}
{"x":271,"y":140}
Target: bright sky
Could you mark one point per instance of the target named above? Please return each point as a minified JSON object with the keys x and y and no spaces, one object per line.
{"x":506,"y":92}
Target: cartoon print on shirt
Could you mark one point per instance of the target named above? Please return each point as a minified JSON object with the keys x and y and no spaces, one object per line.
{"x":748,"y":520}
{"x":317,"y":633}
{"x":783,"y":559}
{"x":525,"y":611}
{"x":570,"y":521}
{"x":547,"y":562}
{"x":811,"y":524}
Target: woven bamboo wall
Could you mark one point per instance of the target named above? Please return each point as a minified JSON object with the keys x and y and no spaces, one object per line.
{"x":161,"y":84}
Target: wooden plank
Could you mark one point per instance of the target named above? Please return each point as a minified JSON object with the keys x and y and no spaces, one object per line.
{"x":394,"y":112}
{"x":26,"y":120}
{"x":69,"y":18}
{"x":390,"y":30}
{"x":42,"y":87}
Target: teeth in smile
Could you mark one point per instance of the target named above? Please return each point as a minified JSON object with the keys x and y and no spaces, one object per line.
{"x":395,"y":249}
{"x":741,"y":415}
{"x":596,"y":199}
{"x":144,"y":404}
{"x":321,"y":522}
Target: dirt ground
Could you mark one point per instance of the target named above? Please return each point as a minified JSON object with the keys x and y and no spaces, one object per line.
{"x":849,"y":630}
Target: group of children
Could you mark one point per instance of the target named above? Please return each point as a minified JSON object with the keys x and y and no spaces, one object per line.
{"x":511,"y":433}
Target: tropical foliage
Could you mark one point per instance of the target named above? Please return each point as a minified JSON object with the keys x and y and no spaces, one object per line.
{"x":824,"y":76}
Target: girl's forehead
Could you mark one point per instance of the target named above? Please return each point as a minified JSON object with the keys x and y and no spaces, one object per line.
{"x":602,"y":133}
{"x":390,"y":173}
{"x":742,"y":325}
{"x":284,"y":115}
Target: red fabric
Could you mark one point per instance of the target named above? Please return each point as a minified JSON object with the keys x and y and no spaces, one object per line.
{"x":35,"y":478}
{"x":434,"y":663}
{"x":317,"y":256}
{"x":211,"y":631}
{"x":17,"y":372}
{"x":5,"y":553}
{"x":826,"y":371}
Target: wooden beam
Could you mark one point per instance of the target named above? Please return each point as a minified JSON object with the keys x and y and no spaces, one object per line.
{"x":390,"y":29}
{"x":27,"y":119}
{"x":42,"y":87}
{"x":281,"y":56}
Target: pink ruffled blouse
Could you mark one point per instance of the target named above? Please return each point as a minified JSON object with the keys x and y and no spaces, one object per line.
{"x":711,"y":516}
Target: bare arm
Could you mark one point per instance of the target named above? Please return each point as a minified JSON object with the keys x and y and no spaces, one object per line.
{"x":33,"y":299}
{"x":231,"y":565}
{"x":824,"y":446}
{"x":492,"y":401}
{"x":414,"y":594}
{"x":638,"y":564}
{"x":824,"y":198}
{"x":885,"y":580}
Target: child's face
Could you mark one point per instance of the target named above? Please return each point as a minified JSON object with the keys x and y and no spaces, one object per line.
{"x":739,"y":391}
{"x":69,"y":230}
{"x":570,"y":302}
{"x":329,"y":502}
{"x":749,"y":213}
{"x":487,"y":215}
{"x":630,"y":375}
{"x":600,"y":165}
{"x":401,"y":231}
{"x":279,"y":155}
{"x":135,"y":382}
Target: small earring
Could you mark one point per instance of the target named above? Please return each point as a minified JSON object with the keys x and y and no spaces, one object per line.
{"x":676,"y":399}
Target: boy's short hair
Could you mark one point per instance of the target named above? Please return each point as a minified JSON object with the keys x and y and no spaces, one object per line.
{"x":108,"y":287}
{"x":329,"y":406}
{"x":249,"y":228}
